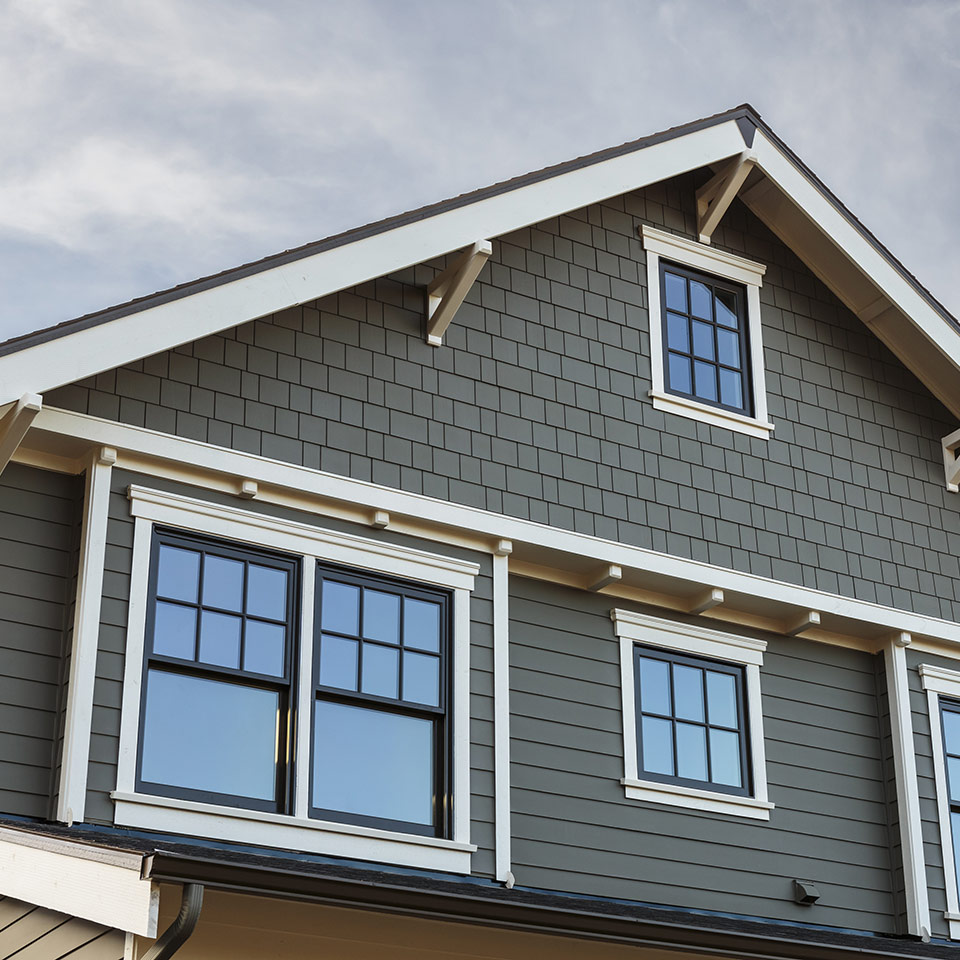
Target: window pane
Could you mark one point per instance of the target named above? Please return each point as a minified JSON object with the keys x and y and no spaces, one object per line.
{"x":178,"y":574}
{"x":263,"y":648}
{"x":955,"y":830}
{"x":175,"y":631}
{"x":394,"y":778}
{"x":700,"y":300}
{"x":731,"y":388}
{"x":676,"y":291}
{"x":951,"y":730}
{"x":338,"y":662}
{"x":722,"y":699}
{"x":381,"y":671}
{"x":381,"y":616}
{"x":680,"y":374}
{"x":421,"y":624}
{"x":687,"y":692}
{"x":341,"y":607}
{"x":657,"y":740}
{"x":691,"y":752}
{"x":421,"y":678}
{"x":220,"y":639}
{"x":703,"y":340}
{"x":266,"y":592}
{"x":725,"y":757}
{"x":953,"y":778}
{"x":728,"y":344}
{"x":678,"y":333}
{"x":654,"y":686}
{"x":207,"y":735}
{"x":223,"y":583}
{"x":727,"y":309}
{"x":705,"y":375}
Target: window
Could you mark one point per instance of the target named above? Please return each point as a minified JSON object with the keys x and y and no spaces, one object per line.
{"x":706,"y":351}
{"x":692,"y":720}
{"x":942,"y":686}
{"x":379,"y":737}
{"x":293,"y":686}
{"x":217,"y":677}
{"x":690,"y":715}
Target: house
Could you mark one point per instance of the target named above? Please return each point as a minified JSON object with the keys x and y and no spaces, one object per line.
{"x":569,"y":568}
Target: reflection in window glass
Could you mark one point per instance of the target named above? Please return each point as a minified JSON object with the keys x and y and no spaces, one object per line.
{"x":394,"y":781}
{"x":381,"y":616}
{"x":657,"y":745}
{"x":223,"y":583}
{"x":380,"y":671}
{"x":421,"y":678}
{"x":691,"y":751}
{"x":264,"y":648}
{"x":220,"y":639}
{"x":175,"y":630}
{"x":421,"y":624}
{"x":339,"y":659}
{"x":266,"y":592}
{"x":206,"y":735}
{"x":340,"y":607}
{"x":654,"y":686}
{"x":178,"y":574}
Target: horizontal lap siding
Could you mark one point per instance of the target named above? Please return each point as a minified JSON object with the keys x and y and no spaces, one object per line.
{"x":574,"y":829}
{"x":105,"y":739}
{"x":39,"y":518}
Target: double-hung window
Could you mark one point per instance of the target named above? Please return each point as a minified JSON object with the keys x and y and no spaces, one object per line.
{"x":692,"y":718}
{"x":292,"y":686}
{"x":706,"y":349}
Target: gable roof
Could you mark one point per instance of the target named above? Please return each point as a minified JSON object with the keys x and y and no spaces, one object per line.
{"x":788,"y":197}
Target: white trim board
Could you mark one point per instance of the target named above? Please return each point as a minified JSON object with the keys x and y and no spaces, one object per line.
{"x":191,"y":461}
{"x":296,"y":831}
{"x":633,"y":628}
{"x":78,"y":880}
{"x":938,"y":681}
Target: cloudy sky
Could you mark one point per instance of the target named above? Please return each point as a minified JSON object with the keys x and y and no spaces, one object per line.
{"x":147,"y":143}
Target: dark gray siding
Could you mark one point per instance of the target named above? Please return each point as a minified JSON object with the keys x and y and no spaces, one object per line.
{"x":536,"y":406}
{"x":934,"y":856}
{"x":574,"y":829}
{"x":110,"y":660}
{"x":39,"y":516}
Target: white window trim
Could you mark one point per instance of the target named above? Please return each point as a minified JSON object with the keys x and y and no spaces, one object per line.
{"x":632,"y":628}
{"x":297,"y":831}
{"x":937,"y":681}
{"x":699,"y":256}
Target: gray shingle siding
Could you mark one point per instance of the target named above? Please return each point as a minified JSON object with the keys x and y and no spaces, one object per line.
{"x":536,"y":406}
{"x":110,"y":659}
{"x":575,"y":830}
{"x":39,"y":517}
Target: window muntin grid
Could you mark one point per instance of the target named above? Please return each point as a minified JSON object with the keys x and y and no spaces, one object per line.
{"x":705,"y":344}
{"x":691,"y":721}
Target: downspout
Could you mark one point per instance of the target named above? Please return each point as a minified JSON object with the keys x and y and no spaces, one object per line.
{"x":177,"y":934}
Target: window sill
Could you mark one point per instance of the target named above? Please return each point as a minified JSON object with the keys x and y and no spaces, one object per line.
{"x":694,"y":799}
{"x":715,"y":416}
{"x":215,"y":822}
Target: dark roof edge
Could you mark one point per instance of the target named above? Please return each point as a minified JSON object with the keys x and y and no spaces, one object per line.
{"x":537,"y":913}
{"x":740,"y":113}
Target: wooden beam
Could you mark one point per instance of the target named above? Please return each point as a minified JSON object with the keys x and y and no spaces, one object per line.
{"x":716,"y":195}
{"x":448,"y":289}
{"x":806,"y":621}
{"x":705,"y":601}
{"x":951,"y":460}
{"x":610,"y":574}
{"x":15,"y":424}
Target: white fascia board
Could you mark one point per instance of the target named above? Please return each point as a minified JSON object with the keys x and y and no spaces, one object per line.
{"x":822,"y":211}
{"x":220,"y":461}
{"x":86,"y":352}
{"x":103,"y":886}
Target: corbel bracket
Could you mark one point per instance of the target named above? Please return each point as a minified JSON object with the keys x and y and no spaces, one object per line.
{"x":951,"y":460}
{"x":716,"y":195}
{"x":15,"y":424}
{"x":447,"y":290}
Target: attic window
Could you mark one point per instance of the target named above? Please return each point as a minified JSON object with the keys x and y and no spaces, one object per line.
{"x":706,"y":351}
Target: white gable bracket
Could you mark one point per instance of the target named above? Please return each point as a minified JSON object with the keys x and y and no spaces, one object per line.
{"x":448,"y":289}
{"x":951,"y":460}
{"x":15,"y":424}
{"x":716,"y":195}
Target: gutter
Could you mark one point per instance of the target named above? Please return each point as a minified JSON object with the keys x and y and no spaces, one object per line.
{"x":534,"y":913}
{"x":177,"y":934}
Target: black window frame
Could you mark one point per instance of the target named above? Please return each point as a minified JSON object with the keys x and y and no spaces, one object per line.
{"x":285,"y":686}
{"x":738,"y":672}
{"x":948,"y":705}
{"x":441,"y":716}
{"x":748,"y":409}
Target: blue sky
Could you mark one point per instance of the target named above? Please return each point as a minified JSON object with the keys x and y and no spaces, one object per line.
{"x":149,"y":143}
